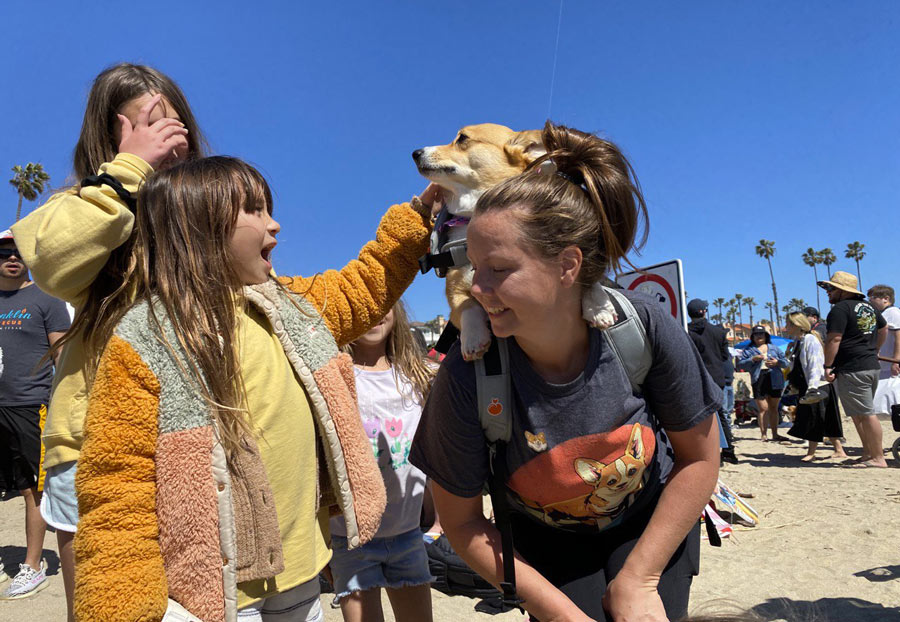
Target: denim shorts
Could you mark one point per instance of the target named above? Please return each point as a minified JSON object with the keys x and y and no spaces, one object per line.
{"x":394,"y":562}
{"x":59,"y":507}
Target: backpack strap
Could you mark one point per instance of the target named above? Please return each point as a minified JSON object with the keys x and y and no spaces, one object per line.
{"x":494,"y":395}
{"x":628,"y":340}
{"x":494,"y":390}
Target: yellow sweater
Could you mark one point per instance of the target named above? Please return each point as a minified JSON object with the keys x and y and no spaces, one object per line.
{"x":65,"y":243}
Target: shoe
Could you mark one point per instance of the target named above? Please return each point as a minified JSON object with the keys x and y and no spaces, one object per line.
{"x":729,"y":457}
{"x":3,"y":576}
{"x":813,"y":396}
{"x":27,"y":583}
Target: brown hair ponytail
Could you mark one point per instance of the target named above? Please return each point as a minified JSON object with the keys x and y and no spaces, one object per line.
{"x":588,"y":197}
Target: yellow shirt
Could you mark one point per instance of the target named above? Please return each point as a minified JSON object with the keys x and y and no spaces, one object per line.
{"x":282,"y":420}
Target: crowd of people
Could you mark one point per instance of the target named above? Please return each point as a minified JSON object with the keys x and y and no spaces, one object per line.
{"x":218,"y":437}
{"x":847,"y":365}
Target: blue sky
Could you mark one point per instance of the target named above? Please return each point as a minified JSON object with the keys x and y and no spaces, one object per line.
{"x":768,"y":119}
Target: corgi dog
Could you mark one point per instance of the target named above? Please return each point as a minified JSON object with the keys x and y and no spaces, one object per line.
{"x":480,"y":157}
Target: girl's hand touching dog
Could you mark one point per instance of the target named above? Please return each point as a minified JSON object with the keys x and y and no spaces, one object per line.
{"x":156,"y":143}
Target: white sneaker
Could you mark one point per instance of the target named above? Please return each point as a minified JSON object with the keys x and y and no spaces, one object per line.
{"x":27,"y":583}
{"x":3,"y":577}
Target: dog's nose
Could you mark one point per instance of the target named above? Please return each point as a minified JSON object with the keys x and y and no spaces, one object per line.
{"x":418,"y":154}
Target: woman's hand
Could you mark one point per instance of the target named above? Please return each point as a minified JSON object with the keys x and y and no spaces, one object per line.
{"x":770,"y":363}
{"x":756,"y":358}
{"x":155,"y":143}
{"x":633,"y":598}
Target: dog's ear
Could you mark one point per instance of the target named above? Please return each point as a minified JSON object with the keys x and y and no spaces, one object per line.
{"x":524,"y":148}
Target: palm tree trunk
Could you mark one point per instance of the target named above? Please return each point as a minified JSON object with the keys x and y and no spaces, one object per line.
{"x":19,"y":208}
{"x":816,"y":274}
{"x":751,"y":315}
{"x":859,"y":278}
{"x":774,"y":295}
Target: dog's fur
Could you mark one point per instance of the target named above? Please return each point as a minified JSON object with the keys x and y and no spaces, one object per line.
{"x":480,"y":157}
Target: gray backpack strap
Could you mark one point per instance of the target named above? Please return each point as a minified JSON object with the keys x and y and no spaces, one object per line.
{"x":494,"y":392}
{"x":628,"y":340}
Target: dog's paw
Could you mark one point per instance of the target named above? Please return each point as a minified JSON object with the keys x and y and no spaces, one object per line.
{"x":475,"y":336}
{"x":473,"y":348}
{"x":599,"y":316}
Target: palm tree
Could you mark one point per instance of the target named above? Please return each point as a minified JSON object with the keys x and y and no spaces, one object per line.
{"x":718,"y":302}
{"x":812,"y":258}
{"x":855,"y":251}
{"x":794,"y":304}
{"x":750,"y":303}
{"x":28,"y":182}
{"x":769,"y":306}
{"x":827,"y":257}
{"x":737,"y":300}
{"x":731,"y":310}
{"x":717,"y":318}
{"x":766,"y":248}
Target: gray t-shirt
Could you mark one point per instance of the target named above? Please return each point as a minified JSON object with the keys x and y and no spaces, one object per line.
{"x":585,"y":455}
{"x":27,"y":315}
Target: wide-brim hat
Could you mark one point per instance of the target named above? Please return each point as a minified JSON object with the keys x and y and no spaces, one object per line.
{"x":843,"y":281}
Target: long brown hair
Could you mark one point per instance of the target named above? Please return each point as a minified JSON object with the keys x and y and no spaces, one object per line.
{"x":594,"y":203}
{"x":112,"y":89}
{"x":186,"y":216}
{"x":406,"y":356}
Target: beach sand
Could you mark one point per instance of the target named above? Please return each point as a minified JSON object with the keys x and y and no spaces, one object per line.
{"x":827,"y":543}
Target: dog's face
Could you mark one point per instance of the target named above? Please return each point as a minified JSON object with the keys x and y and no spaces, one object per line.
{"x":481,"y":156}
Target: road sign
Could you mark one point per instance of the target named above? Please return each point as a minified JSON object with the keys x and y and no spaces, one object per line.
{"x":664,"y":282}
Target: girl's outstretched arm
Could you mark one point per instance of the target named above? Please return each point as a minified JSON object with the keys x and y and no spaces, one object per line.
{"x":354,"y":299}
{"x":120,"y":567}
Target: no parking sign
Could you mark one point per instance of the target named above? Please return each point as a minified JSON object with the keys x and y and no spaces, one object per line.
{"x":664,"y":282}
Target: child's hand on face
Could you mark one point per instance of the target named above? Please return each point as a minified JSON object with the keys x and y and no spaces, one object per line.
{"x":164,"y":139}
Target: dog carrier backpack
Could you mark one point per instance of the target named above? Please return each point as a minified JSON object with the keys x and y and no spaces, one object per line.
{"x":447,"y":247}
{"x":629,"y":342}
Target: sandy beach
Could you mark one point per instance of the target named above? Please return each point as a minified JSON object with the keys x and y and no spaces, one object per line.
{"x":827,"y":544}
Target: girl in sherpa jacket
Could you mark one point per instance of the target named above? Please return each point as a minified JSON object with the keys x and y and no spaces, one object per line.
{"x":222,"y":415}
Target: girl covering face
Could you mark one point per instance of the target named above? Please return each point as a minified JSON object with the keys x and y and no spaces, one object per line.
{"x":80,"y":248}
{"x":605,"y":484}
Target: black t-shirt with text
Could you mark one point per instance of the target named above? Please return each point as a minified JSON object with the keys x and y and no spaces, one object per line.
{"x":859,"y":323}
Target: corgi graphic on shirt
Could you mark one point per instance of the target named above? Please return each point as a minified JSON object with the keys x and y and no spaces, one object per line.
{"x":610,"y":483}
{"x":537,"y":442}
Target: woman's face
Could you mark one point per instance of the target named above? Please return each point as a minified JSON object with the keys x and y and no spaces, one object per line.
{"x":758,"y":339}
{"x":522,"y":292}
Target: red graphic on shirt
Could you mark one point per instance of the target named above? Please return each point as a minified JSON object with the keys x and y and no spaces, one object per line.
{"x":495,"y":407}
{"x":591,"y":479}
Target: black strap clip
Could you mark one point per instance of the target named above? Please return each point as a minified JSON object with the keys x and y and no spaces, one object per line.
{"x":106,"y":179}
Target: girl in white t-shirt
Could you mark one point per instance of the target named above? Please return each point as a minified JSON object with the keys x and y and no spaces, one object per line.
{"x":392,"y":380}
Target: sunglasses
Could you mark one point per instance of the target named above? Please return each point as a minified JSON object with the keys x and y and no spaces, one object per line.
{"x":6,"y":253}
{"x":829,"y":288}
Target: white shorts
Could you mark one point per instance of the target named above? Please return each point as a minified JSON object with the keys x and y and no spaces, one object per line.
{"x":298,"y":604}
{"x":59,"y":506}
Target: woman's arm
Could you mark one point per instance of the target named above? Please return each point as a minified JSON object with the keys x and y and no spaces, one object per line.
{"x":120,"y":567}
{"x":746,"y":362}
{"x":354,"y":299}
{"x":477,"y":541}
{"x":632,"y":595}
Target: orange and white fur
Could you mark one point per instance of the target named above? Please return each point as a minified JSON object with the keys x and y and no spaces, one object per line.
{"x":480,"y":157}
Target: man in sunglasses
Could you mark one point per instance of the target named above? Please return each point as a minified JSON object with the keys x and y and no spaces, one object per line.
{"x":856,"y":330}
{"x":30,"y":323}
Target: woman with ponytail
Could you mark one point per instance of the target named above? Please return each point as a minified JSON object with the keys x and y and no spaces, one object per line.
{"x":606,"y":482}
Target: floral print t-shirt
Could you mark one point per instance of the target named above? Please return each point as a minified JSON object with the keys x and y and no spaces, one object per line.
{"x":390,"y":416}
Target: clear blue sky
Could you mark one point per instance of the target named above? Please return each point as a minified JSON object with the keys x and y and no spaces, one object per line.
{"x":770,"y":119}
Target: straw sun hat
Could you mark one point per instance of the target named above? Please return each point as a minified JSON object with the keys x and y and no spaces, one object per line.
{"x":843,"y":281}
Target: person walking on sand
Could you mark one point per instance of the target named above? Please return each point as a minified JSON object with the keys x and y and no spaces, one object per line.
{"x":856,"y":331}
{"x":764,"y":361}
